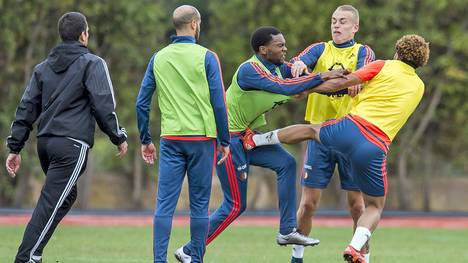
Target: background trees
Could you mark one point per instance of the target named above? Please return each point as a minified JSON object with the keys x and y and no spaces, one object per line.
{"x":430,"y":151}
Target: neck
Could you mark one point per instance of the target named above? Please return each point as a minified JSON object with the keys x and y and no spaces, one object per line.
{"x":346,"y":43}
{"x":264,"y":60}
{"x":189,"y":33}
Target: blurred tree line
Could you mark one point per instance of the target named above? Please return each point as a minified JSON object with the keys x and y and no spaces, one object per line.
{"x":126,"y":33}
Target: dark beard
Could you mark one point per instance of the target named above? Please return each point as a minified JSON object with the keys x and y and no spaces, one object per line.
{"x":197,"y":33}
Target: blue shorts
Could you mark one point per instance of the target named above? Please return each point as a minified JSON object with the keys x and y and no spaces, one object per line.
{"x":319,"y":166}
{"x":365,"y":146}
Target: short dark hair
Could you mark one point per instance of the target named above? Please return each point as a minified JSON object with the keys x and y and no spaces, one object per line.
{"x":71,"y":25}
{"x":413,"y":50}
{"x":262,"y":36}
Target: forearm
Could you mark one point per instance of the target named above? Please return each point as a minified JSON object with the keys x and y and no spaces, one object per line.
{"x":143,"y":113}
{"x":28,"y":110}
{"x":20,"y":131}
{"x":330,"y":86}
{"x":337,"y":84}
{"x":222,"y":125}
{"x":297,"y":133}
{"x":255,"y":78}
{"x":108,"y":122}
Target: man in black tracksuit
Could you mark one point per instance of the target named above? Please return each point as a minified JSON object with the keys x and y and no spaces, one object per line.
{"x":68,"y":93}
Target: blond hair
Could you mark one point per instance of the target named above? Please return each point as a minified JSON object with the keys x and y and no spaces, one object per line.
{"x":351,"y":9}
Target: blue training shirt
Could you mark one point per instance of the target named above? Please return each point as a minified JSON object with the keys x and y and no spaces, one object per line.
{"x":252,"y":77}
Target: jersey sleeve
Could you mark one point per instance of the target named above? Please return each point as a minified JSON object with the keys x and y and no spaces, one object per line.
{"x":311,"y":54}
{"x":252,"y":77}
{"x":365,"y":56}
{"x":143,"y":102}
{"x":370,"y":70}
{"x":27,"y":112}
{"x":217,"y":96}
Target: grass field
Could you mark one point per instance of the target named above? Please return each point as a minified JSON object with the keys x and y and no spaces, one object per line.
{"x":75,"y":244}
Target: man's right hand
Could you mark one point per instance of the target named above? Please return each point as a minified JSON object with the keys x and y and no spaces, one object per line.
{"x":148,"y":153}
{"x":225,"y":151}
{"x":298,"y":68}
{"x":334,"y":74}
{"x":13,"y":163}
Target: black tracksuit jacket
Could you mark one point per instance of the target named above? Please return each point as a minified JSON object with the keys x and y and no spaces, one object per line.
{"x":68,"y":93}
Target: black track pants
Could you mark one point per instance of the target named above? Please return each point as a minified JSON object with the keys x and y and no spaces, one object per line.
{"x":63,"y":160}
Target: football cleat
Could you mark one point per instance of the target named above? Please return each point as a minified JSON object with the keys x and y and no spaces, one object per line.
{"x":180,"y":255}
{"x":296,"y":238}
{"x":247,"y":140}
{"x":351,"y":255}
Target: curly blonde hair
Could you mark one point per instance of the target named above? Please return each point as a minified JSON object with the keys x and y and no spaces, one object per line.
{"x":413,"y":50}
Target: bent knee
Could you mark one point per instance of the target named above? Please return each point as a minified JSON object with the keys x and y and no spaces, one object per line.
{"x":288,"y":161}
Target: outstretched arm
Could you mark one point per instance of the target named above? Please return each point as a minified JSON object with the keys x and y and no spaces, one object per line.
{"x":337,"y":84}
{"x":360,"y":76}
{"x":252,"y":77}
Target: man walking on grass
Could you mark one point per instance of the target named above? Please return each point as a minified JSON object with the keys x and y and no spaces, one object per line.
{"x":68,"y":93}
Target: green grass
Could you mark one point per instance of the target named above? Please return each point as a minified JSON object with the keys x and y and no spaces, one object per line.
{"x":74,"y":244}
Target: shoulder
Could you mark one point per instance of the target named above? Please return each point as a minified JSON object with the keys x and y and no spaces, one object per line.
{"x":39,"y":67}
{"x":365,"y":49}
{"x":248,"y":67}
{"x":92,"y":59}
{"x":314,"y":47}
{"x":210,"y":54}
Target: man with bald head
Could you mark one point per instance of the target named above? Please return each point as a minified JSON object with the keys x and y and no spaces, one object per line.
{"x":187,"y":78}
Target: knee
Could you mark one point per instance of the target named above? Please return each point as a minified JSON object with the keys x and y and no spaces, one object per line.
{"x":71,"y":198}
{"x":375,"y":203}
{"x":288,"y":162}
{"x":308,"y":208}
{"x":356,"y":209}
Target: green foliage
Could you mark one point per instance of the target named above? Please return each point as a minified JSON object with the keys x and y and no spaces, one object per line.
{"x":127,"y":33}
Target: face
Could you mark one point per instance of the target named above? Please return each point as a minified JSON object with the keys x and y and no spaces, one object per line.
{"x":84,"y":37}
{"x":275,"y":51}
{"x":343,"y":26}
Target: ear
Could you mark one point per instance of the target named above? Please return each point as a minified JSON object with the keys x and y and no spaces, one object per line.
{"x":263,"y":50}
{"x":356,"y":28}
{"x":194,"y":24}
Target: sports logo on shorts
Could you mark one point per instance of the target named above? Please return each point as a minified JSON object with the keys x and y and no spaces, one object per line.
{"x":243,"y":176}
{"x":241,"y":167}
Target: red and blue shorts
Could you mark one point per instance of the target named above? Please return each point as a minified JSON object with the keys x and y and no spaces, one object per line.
{"x":365,"y":146}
